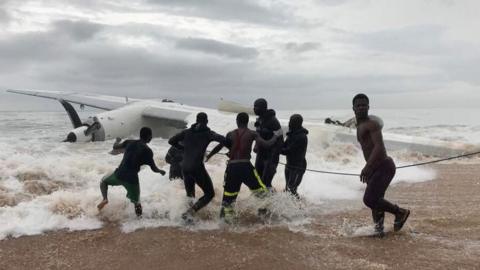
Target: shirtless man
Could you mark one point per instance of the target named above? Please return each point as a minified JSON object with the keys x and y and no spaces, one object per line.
{"x":239,"y":168}
{"x":379,"y":170}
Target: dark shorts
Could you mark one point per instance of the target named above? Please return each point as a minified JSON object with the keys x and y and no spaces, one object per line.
{"x":377,"y":185}
{"x":133,"y":189}
{"x":238,"y":173}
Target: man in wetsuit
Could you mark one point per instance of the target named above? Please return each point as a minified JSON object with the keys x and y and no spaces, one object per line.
{"x":137,"y":153}
{"x":379,"y":170}
{"x":267,"y":157}
{"x":194,"y":142}
{"x":174,"y":158}
{"x":295,"y":149}
{"x":239,"y":168}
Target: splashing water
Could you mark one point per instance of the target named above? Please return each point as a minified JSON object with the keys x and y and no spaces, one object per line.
{"x":47,"y":185}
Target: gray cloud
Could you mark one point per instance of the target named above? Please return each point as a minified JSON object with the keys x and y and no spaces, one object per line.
{"x":417,"y":39}
{"x":4,"y":16}
{"x":331,"y":2}
{"x":29,"y":48}
{"x":452,"y":59}
{"x":215,"y":47}
{"x":462,"y":66}
{"x":240,"y":10}
{"x":78,"y":30}
{"x":302,"y":47}
{"x":109,"y":68}
{"x":85,"y":56}
{"x":47,"y":48}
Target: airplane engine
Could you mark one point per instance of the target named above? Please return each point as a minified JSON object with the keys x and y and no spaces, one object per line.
{"x":107,"y":125}
{"x":78,"y":135}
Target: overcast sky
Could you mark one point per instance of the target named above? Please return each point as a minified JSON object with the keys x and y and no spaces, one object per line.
{"x":302,"y":54}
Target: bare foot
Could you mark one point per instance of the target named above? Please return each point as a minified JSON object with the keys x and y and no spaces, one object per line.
{"x":102,"y":204}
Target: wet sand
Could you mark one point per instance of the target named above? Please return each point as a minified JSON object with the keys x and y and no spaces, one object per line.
{"x":443,"y":232}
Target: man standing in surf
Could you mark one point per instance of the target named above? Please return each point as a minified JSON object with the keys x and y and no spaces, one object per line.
{"x":380,"y":168}
{"x":136,"y":154}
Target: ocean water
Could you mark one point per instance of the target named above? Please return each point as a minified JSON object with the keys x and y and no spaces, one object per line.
{"x":46,"y":185}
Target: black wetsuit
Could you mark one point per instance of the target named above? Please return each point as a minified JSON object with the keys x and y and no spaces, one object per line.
{"x":267,"y":158}
{"x":295,"y":148}
{"x":377,"y":184}
{"x":194,"y":144}
{"x":174,"y":158}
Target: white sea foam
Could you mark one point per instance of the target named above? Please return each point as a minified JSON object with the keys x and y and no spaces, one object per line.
{"x":47,"y":185}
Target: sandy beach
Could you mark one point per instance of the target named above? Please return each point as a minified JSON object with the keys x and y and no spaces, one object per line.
{"x":443,"y":232}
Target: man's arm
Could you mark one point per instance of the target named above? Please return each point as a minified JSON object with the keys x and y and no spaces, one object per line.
{"x":119,"y":148}
{"x":150,"y":162}
{"x":294,"y":144}
{"x":217,"y":137}
{"x":176,"y":139}
{"x":378,"y":150}
{"x":226,"y":142}
{"x":267,"y":143}
{"x":215,"y":150}
{"x":117,"y":145}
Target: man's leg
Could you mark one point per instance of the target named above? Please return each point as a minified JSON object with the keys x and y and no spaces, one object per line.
{"x":189,"y":182}
{"x":231,"y":187}
{"x":108,"y":180}
{"x":378,"y":217}
{"x":375,"y":191}
{"x":287,"y":176}
{"x":374,"y":197}
{"x":294,"y":179}
{"x":270,"y":168}
{"x":257,"y":187}
{"x":133,"y":193}
{"x":205,"y":183}
{"x":259,"y":164}
{"x":253,"y":181}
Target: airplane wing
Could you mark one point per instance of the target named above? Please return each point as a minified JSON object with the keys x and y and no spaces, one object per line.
{"x":171,"y":116}
{"x":179,"y":115}
{"x":103,"y":102}
{"x":123,"y":116}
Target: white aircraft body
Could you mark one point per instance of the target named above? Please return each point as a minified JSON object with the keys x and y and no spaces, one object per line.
{"x":124,"y":116}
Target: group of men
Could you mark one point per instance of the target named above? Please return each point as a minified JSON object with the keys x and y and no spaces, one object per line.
{"x":269,"y":144}
{"x":189,"y":149}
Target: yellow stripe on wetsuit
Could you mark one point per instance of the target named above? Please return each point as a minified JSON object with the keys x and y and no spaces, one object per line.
{"x":230,"y":194}
{"x":259,"y":181}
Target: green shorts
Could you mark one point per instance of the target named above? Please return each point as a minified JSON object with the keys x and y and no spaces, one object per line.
{"x":133,"y":189}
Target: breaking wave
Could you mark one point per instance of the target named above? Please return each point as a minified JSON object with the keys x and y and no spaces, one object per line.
{"x":46,"y":185}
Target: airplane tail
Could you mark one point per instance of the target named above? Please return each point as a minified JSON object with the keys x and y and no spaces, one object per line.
{"x":233,"y":107}
{"x":72,"y":114}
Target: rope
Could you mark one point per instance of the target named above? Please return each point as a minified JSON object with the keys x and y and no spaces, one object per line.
{"x":319,"y":171}
{"x":438,"y":160}
{"x":399,"y":167}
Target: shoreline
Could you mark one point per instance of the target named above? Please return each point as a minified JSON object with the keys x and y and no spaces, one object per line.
{"x":443,"y":232}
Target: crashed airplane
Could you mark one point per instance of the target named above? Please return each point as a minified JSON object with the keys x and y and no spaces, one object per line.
{"x":123,"y":117}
